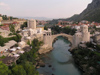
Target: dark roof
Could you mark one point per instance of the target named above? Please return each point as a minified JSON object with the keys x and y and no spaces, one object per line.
{"x":7,"y":59}
{"x":27,"y":49}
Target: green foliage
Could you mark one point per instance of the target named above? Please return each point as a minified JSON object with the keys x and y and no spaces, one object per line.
{"x":98,"y":54}
{"x":12,"y":28}
{"x":45,"y":28}
{"x":30,"y":69}
{"x":93,"y":15}
{"x":67,"y":30}
{"x":35,"y":43}
{"x":56,"y":29}
{"x":2,"y":57}
{"x":28,"y":43}
{"x":32,"y":54}
{"x":98,"y":47}
{"x":18,"y":38}
{"x":3,"y":69}
{"x":3,"y":40}
{"x":16,"y":45}
{"x":87,"y":57}
{"x":1,"y":25}
{"x":94,"y":27}
{"x":4,"y":17}
{"x":11,"y":18}
{"x":25,"y":64}
{"x":28,"y":59}
{"x":89,"y":44}
{"x":18,"y":70}
{"x":24,"y":25}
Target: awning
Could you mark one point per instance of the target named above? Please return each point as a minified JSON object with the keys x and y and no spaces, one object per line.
{"x":18,"y":48}
{"x":13,"y":49}
{"x":21,"y":52}
{"x":16,"y":55}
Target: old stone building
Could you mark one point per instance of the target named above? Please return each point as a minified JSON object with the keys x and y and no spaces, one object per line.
{"x":83,"y":36}
{"x":33,"y":31}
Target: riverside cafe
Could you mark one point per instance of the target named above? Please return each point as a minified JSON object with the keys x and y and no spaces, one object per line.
{"x":7,"y":46}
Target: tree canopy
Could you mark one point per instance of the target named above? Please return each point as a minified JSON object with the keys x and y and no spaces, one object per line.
{"x":3,"y":69}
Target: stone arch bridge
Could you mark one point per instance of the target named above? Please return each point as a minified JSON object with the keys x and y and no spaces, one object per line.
{"x":48,"y":38}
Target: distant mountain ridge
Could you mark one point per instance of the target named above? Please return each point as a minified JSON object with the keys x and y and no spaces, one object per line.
{"x":91,"y":13}
{"x":37,"y":18}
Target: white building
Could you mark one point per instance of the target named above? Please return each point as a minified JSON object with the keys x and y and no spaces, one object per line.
{"x":98,"y":26}
{"x":33,"y":30}
{"x":77,"y":27}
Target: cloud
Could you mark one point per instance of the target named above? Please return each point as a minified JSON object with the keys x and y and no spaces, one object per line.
{"x":4,"y":6}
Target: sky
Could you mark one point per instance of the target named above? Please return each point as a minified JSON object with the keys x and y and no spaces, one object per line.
{"x":43,"y":8}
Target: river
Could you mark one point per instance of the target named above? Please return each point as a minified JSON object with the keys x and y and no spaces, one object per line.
{"x":60,"y":59}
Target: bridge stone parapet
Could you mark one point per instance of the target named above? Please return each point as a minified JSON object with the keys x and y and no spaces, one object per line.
{"x":48,"y":38}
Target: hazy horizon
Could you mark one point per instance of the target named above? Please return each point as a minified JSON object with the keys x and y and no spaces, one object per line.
{"x":42,"y":8}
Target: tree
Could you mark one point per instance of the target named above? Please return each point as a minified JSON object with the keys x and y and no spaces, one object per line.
{"x":18,"y":70}
{"x":45,"y":28}
{"x":18,"y":37}
{"x":3,"y":69}
{"x":11,"y":18}
{"x":12,"y":28}
{"x":30,"y":69}
{"x":4,"y":17}
{"x":1,"y":41}
{"x":35,"y":43}
{"x":24,"y":25}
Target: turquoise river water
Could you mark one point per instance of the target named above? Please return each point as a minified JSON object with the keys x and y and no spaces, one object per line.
{"x":60,"y":59}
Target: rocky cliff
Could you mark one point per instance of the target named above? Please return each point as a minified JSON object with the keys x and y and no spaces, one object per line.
{"x":91,"y":13}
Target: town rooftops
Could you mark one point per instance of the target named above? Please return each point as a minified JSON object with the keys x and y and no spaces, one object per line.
{"x":11,"y":43}
{"x":8,"y":60}
{"x":8,"y":45}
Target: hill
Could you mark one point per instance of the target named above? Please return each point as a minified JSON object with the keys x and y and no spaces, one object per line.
{"x":91,"y":13}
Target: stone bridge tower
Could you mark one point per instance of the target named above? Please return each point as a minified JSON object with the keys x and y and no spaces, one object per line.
{"x":47,"y":38}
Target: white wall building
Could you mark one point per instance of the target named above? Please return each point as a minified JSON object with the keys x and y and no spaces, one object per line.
{"x":98,"y":26}
{"x":33,"y":30}
{"x":77,"y":27}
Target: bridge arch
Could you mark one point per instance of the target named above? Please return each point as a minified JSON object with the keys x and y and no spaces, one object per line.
{"x":48,"y":40}
{"x":69,"y":37}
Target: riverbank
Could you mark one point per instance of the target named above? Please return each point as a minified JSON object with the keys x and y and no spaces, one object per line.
{"x":87,"y":60}
{"x":45,"y":48}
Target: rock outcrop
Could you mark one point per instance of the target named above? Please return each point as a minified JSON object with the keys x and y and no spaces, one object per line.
{"x":91,"y":13}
